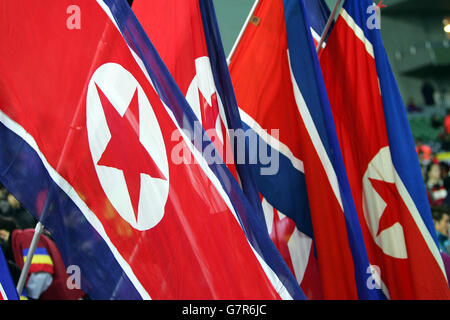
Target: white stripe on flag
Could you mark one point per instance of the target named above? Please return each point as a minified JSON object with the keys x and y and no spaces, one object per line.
{"x":315,"y":137}
{"x":358,"y":32}
{"x":3,"y":295}
{"x":73,"y":195}
{"x":271,"y":141}
{"x":401,"y":188}
{"x":271,"y":275}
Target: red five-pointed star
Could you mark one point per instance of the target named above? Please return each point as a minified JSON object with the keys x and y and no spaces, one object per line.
{"x":282,"y":230}
{"x":209,"y":112}
{"x":209,"y":117}
{"x":394,"y":204}
{"x":124,"y":150}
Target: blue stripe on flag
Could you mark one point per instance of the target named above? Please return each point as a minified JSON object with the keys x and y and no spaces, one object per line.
{"x":225,"y":90}
{"x":318,"y":14}
{"x":7,"y":286}
{"x":251,"y":221}
{"x":24,"y":175}
{"x":307,"y":72}
{"x":401,"y":141}
{"x":290,"y":196}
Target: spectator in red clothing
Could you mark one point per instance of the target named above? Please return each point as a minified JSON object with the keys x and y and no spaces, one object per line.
{"x":47,"y":277}
{"x":447,"y":122}
{"x":424,"y":152}
{"x":445,"y":137}
{"x":436,"y":190}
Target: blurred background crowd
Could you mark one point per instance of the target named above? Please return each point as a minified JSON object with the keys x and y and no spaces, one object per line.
{"x":11,"y":208}
{"x":433,"y":151}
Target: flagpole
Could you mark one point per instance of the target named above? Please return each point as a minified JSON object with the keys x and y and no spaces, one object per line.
{"x":39,"y":228}
{"x":23,"y":275}
{"x":241,"y":33}
{"x":67,"y":143}
{"x":328,"y":25}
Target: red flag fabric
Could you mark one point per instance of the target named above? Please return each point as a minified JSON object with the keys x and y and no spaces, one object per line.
{"x":80,"y":98}
{"x":262,"y":76}
{"x":374,"y":136}
{"x":186,"y":56}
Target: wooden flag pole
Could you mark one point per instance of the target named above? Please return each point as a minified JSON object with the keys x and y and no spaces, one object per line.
{"x":328,"y":25}
{"x":252,"y":10}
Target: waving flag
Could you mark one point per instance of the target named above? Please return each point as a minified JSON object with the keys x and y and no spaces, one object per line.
{"x":89,"y":114}
{"x":7,"y":288}
{"x":192,"y":50}
{"x":380,"y":159}
{"x":186,"y":56}
{"x":309,"y":209}
{"x":191,"y":47}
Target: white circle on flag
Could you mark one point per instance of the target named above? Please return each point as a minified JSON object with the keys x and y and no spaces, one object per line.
{"x":203,"y":81}
{"x":392,"y":239}
{"x":119,"y":86}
